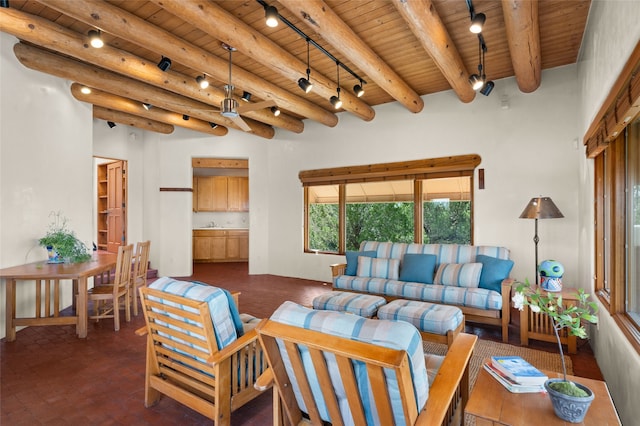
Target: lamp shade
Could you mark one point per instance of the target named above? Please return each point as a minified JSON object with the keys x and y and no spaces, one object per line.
{"x":541,"y":208}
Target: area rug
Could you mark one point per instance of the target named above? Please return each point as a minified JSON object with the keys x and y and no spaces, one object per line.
{"x":485,"y":349}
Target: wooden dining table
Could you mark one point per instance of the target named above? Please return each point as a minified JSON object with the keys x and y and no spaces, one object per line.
{"x":47,"y":277}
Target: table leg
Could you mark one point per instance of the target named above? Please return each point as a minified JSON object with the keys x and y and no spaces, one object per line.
{"x":81,"y":309}
{"x":10,"y":328}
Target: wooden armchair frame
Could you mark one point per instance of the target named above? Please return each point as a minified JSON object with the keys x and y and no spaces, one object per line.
{"x":447,"y":395}
{"x":195,"y":373}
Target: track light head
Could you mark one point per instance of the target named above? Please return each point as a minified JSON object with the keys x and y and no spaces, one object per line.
{"x":111,"y":124}
{"x":202,"y":81}
{"x":477,"y":22}
{"x":358,"y":90}
{"x":305,"y":84}
{"x":147,"y":106}
{"x":95,"y":40}
{"x":164,"y":64}
{"x":476,"y":82}
{"x":246,"y":96}
{"x":275,"y":110}
{"x":85,"y":90}
{"x":213,"y":125}
{"x":271,"y":15}
{"x":185,"y":117}
{"x":4,"y":3}
{"x":336,"y":102}
{"x":488,"y":87}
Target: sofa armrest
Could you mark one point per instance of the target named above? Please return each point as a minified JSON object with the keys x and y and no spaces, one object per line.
{"x":452,"y":380}
{"x":338,"y":269}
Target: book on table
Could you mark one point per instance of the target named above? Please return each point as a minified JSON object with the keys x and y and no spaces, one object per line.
{"x":511,"y":385}
{"x":518,"y":370}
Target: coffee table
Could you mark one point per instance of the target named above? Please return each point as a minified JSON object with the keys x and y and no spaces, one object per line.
{"x":492,"y":404}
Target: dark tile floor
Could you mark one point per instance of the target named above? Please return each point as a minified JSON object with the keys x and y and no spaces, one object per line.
{"x":50,"y":377}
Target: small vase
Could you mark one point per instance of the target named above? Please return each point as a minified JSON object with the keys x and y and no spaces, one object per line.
{"x":569,"y":408}
{"x":54,"y":257}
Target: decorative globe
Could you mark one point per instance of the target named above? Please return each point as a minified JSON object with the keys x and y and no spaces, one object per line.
{"x":551,"y":272}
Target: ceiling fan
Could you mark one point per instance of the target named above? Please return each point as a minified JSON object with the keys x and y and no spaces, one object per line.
{"x":229,"y":106}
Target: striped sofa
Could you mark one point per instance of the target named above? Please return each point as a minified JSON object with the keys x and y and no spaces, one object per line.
{"x":473,"y":278}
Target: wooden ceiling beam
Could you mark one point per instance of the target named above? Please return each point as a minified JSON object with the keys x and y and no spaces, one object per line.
{"x":523,"y":36}
{"x":52,"y":36}
{"x":127,"y":26}
{"x":113,"y":102}
{"x":321,"y":19}
{"x":426,"y":25}
{"x":236,"y":33}
{"x":131,"y":120}
{"x":51,"y":63}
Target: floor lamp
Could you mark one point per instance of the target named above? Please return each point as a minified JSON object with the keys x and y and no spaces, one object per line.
{"x":540,"y":208}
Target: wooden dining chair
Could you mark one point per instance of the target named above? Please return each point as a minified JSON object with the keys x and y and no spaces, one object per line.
{"x":139,"y":273}
{"x":108,"y":298}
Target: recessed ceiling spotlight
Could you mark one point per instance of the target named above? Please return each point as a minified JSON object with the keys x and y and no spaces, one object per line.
{"x":202,"y":81}
{"x":185,"y":117}
{"x":147,"y":106}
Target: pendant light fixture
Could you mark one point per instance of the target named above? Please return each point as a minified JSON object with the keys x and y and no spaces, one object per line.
{"x":335,"y":100}
{"x":479,"y":81}
{"x":304,"y":83}
{"x":95,"y":39}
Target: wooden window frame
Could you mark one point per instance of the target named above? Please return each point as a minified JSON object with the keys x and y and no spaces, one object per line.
{"x":417,"y":170}
{"x":607,"y":132}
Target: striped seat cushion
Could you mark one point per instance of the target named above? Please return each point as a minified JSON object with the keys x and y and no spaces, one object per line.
{"x":443,"y":294}
{"x":429,"y":317}
{"x":222,"y":316}
{"x":365,"y":305}
{"x":397,"y":335}
{"x":445,"y":253}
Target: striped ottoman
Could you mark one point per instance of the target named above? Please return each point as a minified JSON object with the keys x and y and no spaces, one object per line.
{"x":439,"y":323}
{"x":365,"y":305}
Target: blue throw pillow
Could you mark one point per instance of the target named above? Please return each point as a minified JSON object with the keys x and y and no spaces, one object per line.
{"x":418,"y":268}
{"x":494,"y":270}
{"x":352,"y":260}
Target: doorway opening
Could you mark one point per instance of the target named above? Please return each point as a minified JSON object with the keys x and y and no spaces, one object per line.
{"x":110,"y":225}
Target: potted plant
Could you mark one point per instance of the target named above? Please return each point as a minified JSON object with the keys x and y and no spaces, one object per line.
{"x":570,"y":400}
{"x":62,"y":243}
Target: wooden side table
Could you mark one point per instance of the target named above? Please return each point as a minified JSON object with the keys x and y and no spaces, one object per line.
{"x":492,"y":404}
{"x":537,"y":326}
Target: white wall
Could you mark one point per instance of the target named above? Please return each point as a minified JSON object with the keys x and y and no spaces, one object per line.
{"x":611,"y":35}
{"x":45,"y":165}
{"x":526,"y":151}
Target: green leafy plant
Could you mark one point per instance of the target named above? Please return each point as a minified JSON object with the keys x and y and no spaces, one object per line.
{"x":64,"y":241}
{"x":562,"y":316}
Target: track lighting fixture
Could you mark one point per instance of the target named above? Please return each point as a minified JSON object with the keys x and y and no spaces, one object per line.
{"x":147,"y":106}
{"x":275,"y":110}
{"x":488,"y":87}
{"x":271,"y":15}
{"x":246,"y":96}
{"x":111,"y":124}
{"x":85,"y":90}
{"x":95,"y":40}
{"x":202,"y":81}
{"x":358,"y":90}
{"x":476,"y":81}
{"x":4,"y":3}
{"x":185,"y":117}
{"x":164,"y":64}
{"x":304,"y":83}
{"x":335,"y":100}
{"x":477,"y":22}
{"x":213,"y":125}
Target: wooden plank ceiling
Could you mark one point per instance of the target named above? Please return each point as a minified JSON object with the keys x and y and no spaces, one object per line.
{"x":402,"y":49}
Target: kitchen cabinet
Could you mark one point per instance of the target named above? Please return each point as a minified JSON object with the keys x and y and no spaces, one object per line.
{"x":221,"y":193}
{"x":220,"y":245}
